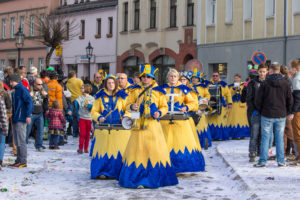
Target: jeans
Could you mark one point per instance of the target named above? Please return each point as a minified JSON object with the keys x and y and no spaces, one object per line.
{"x":38,"y":120}
{"x":2,"y":146}
{"x":267,"y":125}
{"x":254,"y":134}
{"x":53,"y":140}
{"x":19,"y":130}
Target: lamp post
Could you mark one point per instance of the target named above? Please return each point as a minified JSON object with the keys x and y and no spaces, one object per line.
{"x":19,"y":43}
{"x":89,"y":53}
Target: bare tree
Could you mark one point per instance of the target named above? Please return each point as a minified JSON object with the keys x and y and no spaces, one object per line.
{"x":54,"y":30}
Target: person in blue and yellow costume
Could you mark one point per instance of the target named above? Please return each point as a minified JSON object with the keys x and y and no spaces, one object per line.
{"x":147,"y":160}
{"x":109,"y":145}
{"x":218,"y":123}
{"x":123,"y":82}
{"x":184,"y":78}
{"x":186,"y":155}
{"x":201,"y":88}
{"x":237,"y":121}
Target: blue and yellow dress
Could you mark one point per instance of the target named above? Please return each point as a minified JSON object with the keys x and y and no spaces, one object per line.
{"x":202,"y":127}
{"x":186,"y":155}
{"x":108,"y":145}
{"x":146,"y":161}
{"x":218,"y":123}
{"x":237,"y":121}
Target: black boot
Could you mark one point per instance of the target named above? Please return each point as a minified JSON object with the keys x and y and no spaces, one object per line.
{"x":252,"y":157}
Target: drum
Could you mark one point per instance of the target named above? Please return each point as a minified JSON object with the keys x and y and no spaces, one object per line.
{"x":215,"y":101}
{"x":109,"y":127}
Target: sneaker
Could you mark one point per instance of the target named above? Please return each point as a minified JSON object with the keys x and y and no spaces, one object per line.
{"x":40,"y":149}
{"x":281,"y":165}
{"x":260,"y":165}
{"x":51,"y":147}
{"x":140,"y":187}
{"x":56,"y":148}
{"x":86,"y":151}
{"x":43,"y":147}
{"x":20,"y":165}
{"x":79,"y":151}
{"x":12,"y":165}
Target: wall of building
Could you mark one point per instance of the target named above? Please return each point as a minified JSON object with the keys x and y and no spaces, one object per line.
{"x":104,"y":47}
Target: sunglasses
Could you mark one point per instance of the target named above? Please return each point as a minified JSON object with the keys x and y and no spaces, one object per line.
{"x":145,"y":76}
{"x":215,"y":75}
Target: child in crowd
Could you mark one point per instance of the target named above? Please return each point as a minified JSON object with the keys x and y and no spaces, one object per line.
{"x":56,"y":122}
{"x":85,"y":104}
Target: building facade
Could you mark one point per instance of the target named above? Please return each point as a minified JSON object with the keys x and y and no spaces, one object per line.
{"x":230,"y":31}
{"x":23,"y":13}
{"x":159,"y":32}
{"x":95,"y":22}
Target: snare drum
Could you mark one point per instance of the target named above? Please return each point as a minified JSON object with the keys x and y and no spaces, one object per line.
{"x":215,"y":101}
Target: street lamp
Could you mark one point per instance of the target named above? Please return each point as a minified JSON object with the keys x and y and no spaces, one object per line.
{"x":89,"y":53}
{"x":19,"y":43}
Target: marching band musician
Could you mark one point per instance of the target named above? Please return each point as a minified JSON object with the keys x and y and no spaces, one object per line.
{"x":237,"y":118}
{"x":218,"y":123}
{"x":109,"y":145}
{"x":186,"y":155}
{"x":184,"y":78}
{"x":201,"y":89}
{"x":146,"y":162}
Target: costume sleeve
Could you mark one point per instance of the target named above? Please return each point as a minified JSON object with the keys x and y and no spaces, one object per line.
{"x":162,"y":104}
{"x":206,"y":93}
{"x":227,"y":94}
{"x":96,"y":109}
{"x":190,"y":102}
{"x":195,"y":97}
{"x":131,"y":99}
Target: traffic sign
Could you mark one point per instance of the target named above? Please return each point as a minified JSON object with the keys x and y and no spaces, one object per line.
{"x":259,"y":58}
{"x":59,"y":50}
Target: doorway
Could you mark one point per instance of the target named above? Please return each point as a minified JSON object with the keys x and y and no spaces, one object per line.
{"x":164,"y":63}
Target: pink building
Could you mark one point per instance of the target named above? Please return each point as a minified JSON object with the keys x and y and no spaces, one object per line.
{"x":96,"y":23}
{"x":22,"y":13}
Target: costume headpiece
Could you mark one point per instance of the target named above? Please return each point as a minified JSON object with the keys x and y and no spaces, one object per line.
{"x":148,"y":70}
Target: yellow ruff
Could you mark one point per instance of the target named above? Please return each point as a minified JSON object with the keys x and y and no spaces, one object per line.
{"x":110,"y":144}
{"x":148,"y":144}
{"x":192,"y":124}
{"x":179,"y":136}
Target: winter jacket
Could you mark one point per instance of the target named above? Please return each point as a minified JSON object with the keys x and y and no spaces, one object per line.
{"x":274,"y":98}
{"x":22,"y":105}
{"x":296,"y":93}
{"x":56,"y":119}
{"x":251,"y":94}
{"x":40,"y":102}
{"x":55,"y":93}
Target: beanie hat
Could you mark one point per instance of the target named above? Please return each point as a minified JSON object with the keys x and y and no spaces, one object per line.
{"x":33,"y":70}
{"x":15,"y":78}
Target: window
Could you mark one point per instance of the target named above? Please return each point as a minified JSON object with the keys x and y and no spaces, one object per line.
{"x":248,"y":9}
{"x":221,"y":68}
{"x":211,"y":12}
{"x":190,"y":13}
{"x":125,"y":22}
{"x":82,"y":29}
{"x":42,"y":18}
{"x":12,"y":27}
{"x":173,"y":8}
{"x":2,"y":64}
{"x":136,"y":15}
{"x":30,"y":62}
{"x":41,"y":63}
{"x":22,"y":23}
{"x":104,"y":67}
{"x":152,"y":14}
{"x":296,"y":6}
{"x":270,"y":8}
{"x":99,"y":27}
{"x":67,"y":30}
{"x":110,"y":21}
{"x":3,"y":28}
{"x":229,"y":11}
{"x":31,"y":26}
